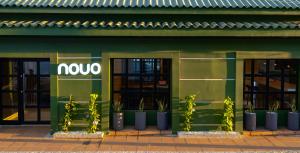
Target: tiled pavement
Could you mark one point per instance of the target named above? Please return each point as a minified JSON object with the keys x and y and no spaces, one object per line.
{"x":36,"y":138}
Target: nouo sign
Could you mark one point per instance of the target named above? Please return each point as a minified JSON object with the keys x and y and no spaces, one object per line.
{"x":76,"y":69}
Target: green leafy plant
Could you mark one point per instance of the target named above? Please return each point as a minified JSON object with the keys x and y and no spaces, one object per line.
{"x":293,"y":106}
{"x":70,"y":107}
{"x":250,"y":108}
{"x":162,"y":106}
{"x":188,"y":112}
{"x":228,"y":116}
{"x":273,"y":107}
{"x":94,"y":116}
{"x":118,"y":106}
{"x":141,"y":105}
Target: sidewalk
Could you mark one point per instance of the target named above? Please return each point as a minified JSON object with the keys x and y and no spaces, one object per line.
{"x":36,"y":138}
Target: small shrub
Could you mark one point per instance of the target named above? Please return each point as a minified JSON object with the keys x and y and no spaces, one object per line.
{"x":189,"y":109}
{"x":70,"y":107}
{"x":227,"y":121}
{"x":94,"y":116}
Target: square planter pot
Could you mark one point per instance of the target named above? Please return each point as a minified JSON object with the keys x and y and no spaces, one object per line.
{"x":293,"y":121}
{"x":118,"y":122}
{"x":162,"y":120}
{"x":140,"y":120}
{"x":250,"y":121}
{"x":271,"y":121}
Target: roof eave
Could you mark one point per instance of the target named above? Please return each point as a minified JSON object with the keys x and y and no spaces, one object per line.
{"x":196,"y":11}
{"x":58,"y":32}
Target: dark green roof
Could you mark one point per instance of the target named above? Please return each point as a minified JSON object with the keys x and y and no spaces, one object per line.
{"x":279,"y":4}
{"x":149,"y":25}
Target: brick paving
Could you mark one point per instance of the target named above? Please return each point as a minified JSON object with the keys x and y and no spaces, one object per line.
{"x":37,"y":138}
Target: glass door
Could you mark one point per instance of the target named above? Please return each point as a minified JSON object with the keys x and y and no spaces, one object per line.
{"x":10,"y":87}
{"x":25,"y":91}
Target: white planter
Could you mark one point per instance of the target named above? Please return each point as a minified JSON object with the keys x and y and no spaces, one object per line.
{"x":219,"y":134}
{"x":78,"y":135}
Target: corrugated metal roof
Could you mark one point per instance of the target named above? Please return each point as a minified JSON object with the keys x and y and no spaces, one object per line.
{"x":288,"y":4}
{"x":149,"y":25}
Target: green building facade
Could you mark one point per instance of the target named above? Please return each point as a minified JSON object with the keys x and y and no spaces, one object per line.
{"x":245,"y":49}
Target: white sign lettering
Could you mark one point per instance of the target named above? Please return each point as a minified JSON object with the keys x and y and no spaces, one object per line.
{"x":75,"y":69}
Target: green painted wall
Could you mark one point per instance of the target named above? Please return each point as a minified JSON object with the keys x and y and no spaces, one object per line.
{"x":211,"y":67}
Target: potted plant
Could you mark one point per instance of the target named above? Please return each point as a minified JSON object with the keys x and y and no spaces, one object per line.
{"x":140,"y":117}
{"x":272,"y":116}
{"x":250,"y":118}
{"x":293,"y":117}
{"x":162,"y":115}
{"x":118,"y":116}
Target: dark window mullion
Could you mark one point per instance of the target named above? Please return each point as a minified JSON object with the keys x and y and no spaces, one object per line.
{"x":1,"y":107}
{"x":252,"y":81}
{"x":282,"y":88}
{"x":38,"y":91}
{"x":267,"y":84}
{"x":126,"y":84}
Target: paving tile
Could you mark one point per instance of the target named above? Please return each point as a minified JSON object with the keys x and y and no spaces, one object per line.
{"x":104,"y":147}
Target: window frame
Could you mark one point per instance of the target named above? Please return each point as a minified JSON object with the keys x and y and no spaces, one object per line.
{"x":267,"y":76}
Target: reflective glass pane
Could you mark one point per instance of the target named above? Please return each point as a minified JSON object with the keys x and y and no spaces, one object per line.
{"x":30,"y":79}
{"x":148,"y":66}
{"x":9,"y":68}
{"x":10,"y":99}
{"x":259,"y":100}
{"x":260,"y":67}
{"x":247,"y":100}
{"x":119,"y":66}
{"x":30,"y":106}
{"x":133,"y":100}
{"x":148,"y":101}
{"x":247,"y":86}
{"x":10,"y":113}
{"x":119,"y":83}
{"x":45,"y":83}
{"x":45,"y":67}
{"x":288,"y":99}
{"x":273,"y":98}
{"x":30,"y":68}
{"x":30,"y":99}
{"x":9,"y":108}
{"x":275,"y":84}
{"x":290,"y":84}
{"x":134,"y":82}
{"x":248,"y":66}
{"x":148,"y":82}
{"x":45,"y":114}
{"x":259,"y":84}
{"x":45,"y":99}
{"x":9,"y":83}
{"x":134,"y":66}
{"x":275,"y":67}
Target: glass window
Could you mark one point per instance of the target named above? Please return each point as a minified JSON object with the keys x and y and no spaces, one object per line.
{"x":260,"y":67}
{"x":272,"y":80}
{"x":248,"y":66}
{"x":141,"y":78}
{"x":9,"y":67}
{"x":259,"y":84}
{"x":119,"y":66}
{"x":45,"y":68}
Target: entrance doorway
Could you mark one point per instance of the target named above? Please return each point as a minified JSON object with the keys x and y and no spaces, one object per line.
{"x":134,"y":79}
{"x":25,"y":91}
